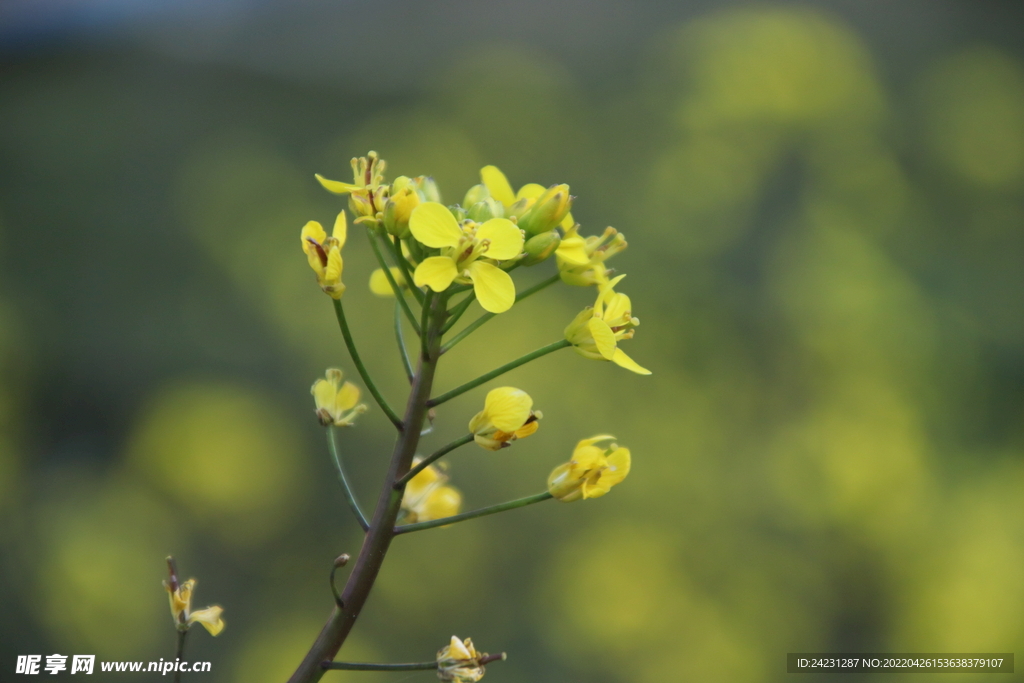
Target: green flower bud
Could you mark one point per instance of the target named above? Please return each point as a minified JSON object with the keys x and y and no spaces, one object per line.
{"x":477,"y":193}
{"x":458,"y":212}
{"x":486,"y":210}
{"x":540,"y":247}
{"x":548,"y":211}
{"x":427,"y":189}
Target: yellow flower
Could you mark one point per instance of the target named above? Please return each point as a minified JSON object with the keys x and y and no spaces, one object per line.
{"x":427,"y":497}
{"x":592,"y":471}
{"x":459,"y":661}
{"x":581,"y":261}
{"x":596,"y":331}
{"x":336,"y":403}
{"x":184,"y":617}
{"x":367,"y":192}
{"x":466,"y":252}
{"x":527,"y":196}
{"x":507,"y":416}
{"x":324,"y":254}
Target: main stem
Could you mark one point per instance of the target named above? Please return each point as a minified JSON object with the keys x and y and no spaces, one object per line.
{"x":381,"y":532}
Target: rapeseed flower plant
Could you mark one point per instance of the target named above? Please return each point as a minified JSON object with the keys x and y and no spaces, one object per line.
{"x":436,"y":260}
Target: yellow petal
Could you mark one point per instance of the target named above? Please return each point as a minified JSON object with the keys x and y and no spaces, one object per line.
{"x":493,"y":287}
{"x":617,"y":306}
{"x":444,"y":501}
{"x":531,"y":191}
{"x":433,"y":225}
{"x":336,"y":186}
{"x":313,"y":230}
{"x":603,"y":336}
{"x":341,"y":229}
{"x":505,"y":238}
{"x":622,"y":360}
{"x":573,"y":250}
{"x":618,"y":467}
{"x":379,"y":284}
{"x":210,"y":618}
{"x":568,"y":221}
{"x":497,"y":185}
{"x":594,"y":439}
{"x":348,"y":397}
{"x":508,"y":407}
{"x":324,"y":394}
{"x":332,"y":273}
{"x":456,"y":650}
{"x":527,"y":429}
{"x":437,"y":272}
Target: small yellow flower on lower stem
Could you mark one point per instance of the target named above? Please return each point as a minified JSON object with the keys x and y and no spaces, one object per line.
{"x":596,"y":331}
{"x":459,"y":661}
{"x":507,"y":415}
{"x":184,"y":617}
{"x":597,"y":464}
{"x":428,"y":497}
{"x":324,"y":254}
{"x":337,"y":403}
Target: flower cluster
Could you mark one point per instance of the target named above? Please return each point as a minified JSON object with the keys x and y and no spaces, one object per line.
{"x":427,"y":496}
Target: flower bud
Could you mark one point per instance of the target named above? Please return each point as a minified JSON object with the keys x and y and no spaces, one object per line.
{"x":427,"y":189}
{"x":485,"y":210}
{"x":477,"y":193}
{"x":459,"y":661}
{"x":596,"y":466}
{"x":540,"y":247}
{"x":548,"y":211}
{"x":458,"y":212}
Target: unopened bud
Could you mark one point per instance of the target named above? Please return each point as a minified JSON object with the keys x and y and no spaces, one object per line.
{"x":458,"y":212}
{"x":548,"y":211}
{"x":427,"y":189}
{"x":485,"y":210}
{"x":477,"y":193}
{"x":342,"y":560}
{"x":540,"y":247}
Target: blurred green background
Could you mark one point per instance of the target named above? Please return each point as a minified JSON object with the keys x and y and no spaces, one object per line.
{"x":825,"y":211}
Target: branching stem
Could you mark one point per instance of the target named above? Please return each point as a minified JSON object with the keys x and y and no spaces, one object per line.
{"x":339,"y":311}
{"x":473,"y":514}
{"x":533,"y":355}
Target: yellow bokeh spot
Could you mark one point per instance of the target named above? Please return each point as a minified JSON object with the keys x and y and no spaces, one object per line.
{"x":224,"y":453}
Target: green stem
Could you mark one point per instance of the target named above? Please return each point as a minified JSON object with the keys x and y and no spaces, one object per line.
{"x":501,"y":507}
{"x":400,"y":338}
{"x":426,"y":462}
{"x":472,"y":327}
{"x":543,"y":351}
{"x":180,"y":652}
{"x":339,"y":312}
{"x":411,"y":666}
{"x":403,"y":265}
{"x":332,"y":445}
{"x":382,"y":525}
{"x":457,"y":312}
{"x":424,"y":342}
{"x":399,"y":294}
